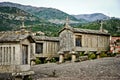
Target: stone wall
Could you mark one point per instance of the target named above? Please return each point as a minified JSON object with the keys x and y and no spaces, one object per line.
{"x":92,"y":42}
{"x":9,"y":54}
{"x":66,"y":40}
{"x":50,"y":49}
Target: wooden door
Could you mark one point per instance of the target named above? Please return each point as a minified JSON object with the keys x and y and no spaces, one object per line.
{"x":24,"y":54}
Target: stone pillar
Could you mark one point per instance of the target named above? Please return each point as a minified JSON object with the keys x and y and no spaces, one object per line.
{"x":73,"y":55}
{"x":32,"y":63}
{"x":61,"y":56}
{"x":98,"y":56}
{"x":48,"y":61}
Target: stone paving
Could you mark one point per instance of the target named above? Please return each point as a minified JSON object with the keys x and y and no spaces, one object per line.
{"x":98,"y":69}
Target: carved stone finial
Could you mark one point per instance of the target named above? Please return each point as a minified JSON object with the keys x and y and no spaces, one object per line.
{"x":23,"y":25}
{"x":101,"y":26}
{"x":67,"y":22}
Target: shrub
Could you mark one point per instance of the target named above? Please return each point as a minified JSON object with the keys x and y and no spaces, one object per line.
{"x":113,"y":54}
{"x":53,"y":60}
{"x":81,"y":54}
{"x":27,"y":78}
{"x":83,"y":58}
{"x":91,"y":55}
{"x":38,"y":61}
{"x":103,"y":55}
{"x":45,"y":61}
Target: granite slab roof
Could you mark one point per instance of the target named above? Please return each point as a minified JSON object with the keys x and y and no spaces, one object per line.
{"x":85,"y":31}
{"x":45,"y":38}
{"x":12,"y":37}
{"x":88,"y":31}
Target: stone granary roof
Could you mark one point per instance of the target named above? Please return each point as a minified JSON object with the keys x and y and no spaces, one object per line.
{"x":12,"y":36}
{"x":85,"y":31}
{"x":88,"y":31}
{"x":45,"y":38}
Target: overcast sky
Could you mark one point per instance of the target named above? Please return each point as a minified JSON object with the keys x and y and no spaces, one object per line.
{"x":108,"y":7}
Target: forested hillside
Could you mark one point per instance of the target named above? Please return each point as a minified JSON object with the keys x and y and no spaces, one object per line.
{"x":92,"y":17}
{"x":11,"y":18}
{"x":50,"y":20}
{"x":112,"y":26}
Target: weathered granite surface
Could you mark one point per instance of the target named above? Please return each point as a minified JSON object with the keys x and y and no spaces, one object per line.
{"x":99,"y":69}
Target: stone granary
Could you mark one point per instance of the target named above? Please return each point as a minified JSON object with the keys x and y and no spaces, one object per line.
{"x":45,"y":48}
{"x":75,"y":40}
{"x":70,"y":41}
{"x":15,"y":51}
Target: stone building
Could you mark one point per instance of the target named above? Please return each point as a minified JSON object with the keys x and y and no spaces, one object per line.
{"x":74,"y":40}
{"x":45,"y":47}
{"x":115,"y":44}
{"x":70,"y":41}
{"x":15,"y":51}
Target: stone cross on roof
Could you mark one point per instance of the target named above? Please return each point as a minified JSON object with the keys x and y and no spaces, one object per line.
{"x":23,"y":28}
{"x":23,"y":25}
{"x":101,"y":26}
{"x":67,"y":22}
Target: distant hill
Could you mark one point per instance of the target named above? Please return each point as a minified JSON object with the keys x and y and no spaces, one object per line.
{"x":92,"y":17}
{"x":49,"y":14}
{"x":54,"y":15}
{"x":11,"y":18}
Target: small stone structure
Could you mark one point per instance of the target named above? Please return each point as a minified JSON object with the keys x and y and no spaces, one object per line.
{"x":15,"y":51}
{"x":45,"y":47}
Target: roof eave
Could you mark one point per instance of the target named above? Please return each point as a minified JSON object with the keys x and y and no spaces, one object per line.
{"x":106,"y":34}
{"x":9,"y":41}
